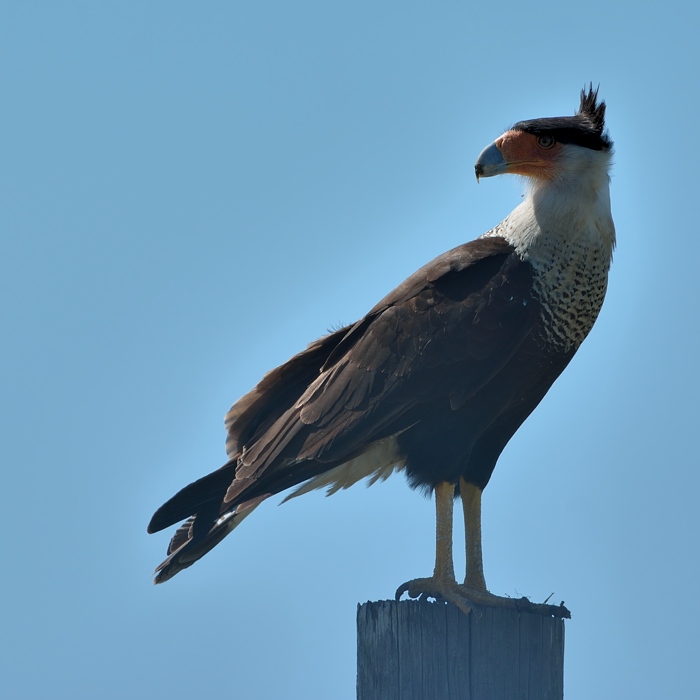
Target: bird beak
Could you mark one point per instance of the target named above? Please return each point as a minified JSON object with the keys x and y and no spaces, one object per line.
{"x":490,"y":162}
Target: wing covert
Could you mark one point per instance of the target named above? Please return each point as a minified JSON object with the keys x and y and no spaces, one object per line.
{"x":445,"y":332}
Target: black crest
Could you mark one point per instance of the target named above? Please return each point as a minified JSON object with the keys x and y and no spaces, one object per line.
{"x":586,"y":128}
{"x":592,"y":110}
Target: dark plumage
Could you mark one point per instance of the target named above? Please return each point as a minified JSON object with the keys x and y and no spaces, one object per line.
{"x":439,"y":375}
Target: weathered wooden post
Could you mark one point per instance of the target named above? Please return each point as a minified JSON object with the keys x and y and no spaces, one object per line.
{"x":420,"y":650}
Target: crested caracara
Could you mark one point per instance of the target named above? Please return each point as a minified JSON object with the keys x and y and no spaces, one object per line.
{"x":439,"y":375}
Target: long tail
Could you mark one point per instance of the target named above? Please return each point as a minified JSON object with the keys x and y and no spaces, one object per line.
{"x":263,"y":421}
{"x":205,"y":527}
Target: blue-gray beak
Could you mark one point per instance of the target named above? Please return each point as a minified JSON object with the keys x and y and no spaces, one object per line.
{"x":490,"y":162}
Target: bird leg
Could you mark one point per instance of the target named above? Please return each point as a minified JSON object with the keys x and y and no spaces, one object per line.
{"x":471,"y":504}
{"x":474,"y":588}
{"x":442,"y":584}
{"x":444,"y":499}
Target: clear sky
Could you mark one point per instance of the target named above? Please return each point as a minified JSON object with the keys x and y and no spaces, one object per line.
{"x":189,"y":194}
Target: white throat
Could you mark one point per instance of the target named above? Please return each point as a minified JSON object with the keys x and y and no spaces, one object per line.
{"x":564,"y":229}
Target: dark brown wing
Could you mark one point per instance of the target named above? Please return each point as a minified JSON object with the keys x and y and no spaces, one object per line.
{"x":444,"y":333}
{"x":440,"y":336}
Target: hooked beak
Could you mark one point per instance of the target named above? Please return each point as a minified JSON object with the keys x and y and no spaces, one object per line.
{"x":490,"y":162}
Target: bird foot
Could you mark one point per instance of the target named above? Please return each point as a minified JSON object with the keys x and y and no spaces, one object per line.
{"x":441,"y":589}
{"x":466,"y":598}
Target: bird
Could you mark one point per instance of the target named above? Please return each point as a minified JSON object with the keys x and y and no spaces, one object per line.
{"x":440,"y":374}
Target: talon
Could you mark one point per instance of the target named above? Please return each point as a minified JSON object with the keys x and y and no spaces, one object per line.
{"x":438,"y":589}
{"x":403,"y":588}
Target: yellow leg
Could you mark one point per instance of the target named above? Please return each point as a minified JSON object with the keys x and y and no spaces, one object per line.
{"x":442,"y":584}
{"x":471,"y":503}
{"x":444,"y":505}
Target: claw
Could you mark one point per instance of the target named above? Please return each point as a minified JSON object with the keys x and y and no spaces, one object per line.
{"x":403,"y":588}
{"x":424,"y":588}
{"x":466,"y":599}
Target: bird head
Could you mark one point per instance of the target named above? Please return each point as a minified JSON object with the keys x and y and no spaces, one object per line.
{"x":551,"y":148}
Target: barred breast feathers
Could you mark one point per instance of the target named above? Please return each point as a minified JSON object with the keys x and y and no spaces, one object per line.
{"x":565,"y":230}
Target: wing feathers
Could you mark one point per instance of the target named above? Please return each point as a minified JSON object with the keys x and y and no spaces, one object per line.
{"x":439,"y":336}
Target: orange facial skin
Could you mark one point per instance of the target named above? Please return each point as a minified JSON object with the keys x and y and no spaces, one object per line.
{"x":530,"y":155}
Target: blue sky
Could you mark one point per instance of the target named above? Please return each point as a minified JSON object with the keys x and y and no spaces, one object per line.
{"x":189,"y":194}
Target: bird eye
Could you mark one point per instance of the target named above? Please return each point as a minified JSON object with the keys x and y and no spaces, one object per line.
{"x":545,"y":141}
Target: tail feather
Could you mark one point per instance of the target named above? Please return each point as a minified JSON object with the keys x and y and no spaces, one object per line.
{"x":182,"y":535}
{"x":215,"y":504}
{"x":194,"y":538}
{"x":199,"y":505}
{"x":206,"y":493}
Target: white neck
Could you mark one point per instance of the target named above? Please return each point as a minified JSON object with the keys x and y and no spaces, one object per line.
{"x":568,"y":214}
{"x":564,"y":229}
